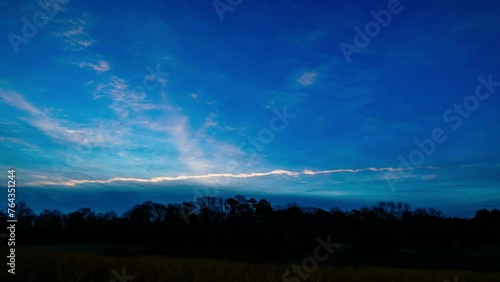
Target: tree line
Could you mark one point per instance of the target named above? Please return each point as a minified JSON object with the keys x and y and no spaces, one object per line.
{"x":255,"y":226}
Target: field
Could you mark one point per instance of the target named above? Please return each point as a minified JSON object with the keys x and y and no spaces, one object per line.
{"x":52,"y":266}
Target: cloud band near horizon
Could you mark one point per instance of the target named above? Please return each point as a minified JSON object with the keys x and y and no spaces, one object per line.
{"x":221,"y":175}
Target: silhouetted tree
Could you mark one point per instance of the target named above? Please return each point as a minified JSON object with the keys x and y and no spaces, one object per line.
{"x":252,"y":226}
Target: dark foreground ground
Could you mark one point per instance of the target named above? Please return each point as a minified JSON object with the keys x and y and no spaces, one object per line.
{"x":142,"y":264}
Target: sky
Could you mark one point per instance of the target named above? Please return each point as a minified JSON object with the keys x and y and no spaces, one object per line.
{"x":324,"y":103}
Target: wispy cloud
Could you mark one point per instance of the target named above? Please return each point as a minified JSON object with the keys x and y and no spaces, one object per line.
{"x":194,"y":153}
{"x":53,"y":127}
{"x":19,"y":142}
{"x":195,"y":97}
{"x":123,"y":97}
{"x":165,"y":178}
{"x":217,"y":175}
{"x":100,"y":66}
{"x":75,"y":36}
{"x":307,"y":78}
{"x":429,"y":176}
{"x":309,"y":172}
{"x":210,"y":121}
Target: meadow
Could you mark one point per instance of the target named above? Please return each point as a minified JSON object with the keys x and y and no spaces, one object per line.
{"x":43,"y":266}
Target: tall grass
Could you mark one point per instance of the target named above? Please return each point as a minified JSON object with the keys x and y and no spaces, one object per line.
{"x":50,"y":267}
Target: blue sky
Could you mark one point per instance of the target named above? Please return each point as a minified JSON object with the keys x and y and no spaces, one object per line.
{"x":107,"y":105}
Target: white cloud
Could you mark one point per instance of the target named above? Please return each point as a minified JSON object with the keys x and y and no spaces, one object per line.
{"x":210,"y":121}
{"x":75,"y":36}
{"x":20,"y":142}
{"x":100,"y":66}
{"x":166,"y":178}
{"x":195,"y":97}
{"x":307,"y":78}
{"x":429,"y":176}
{"x":125,"y":98}
{"x":276,"y":172}
{"x":53,"y":127}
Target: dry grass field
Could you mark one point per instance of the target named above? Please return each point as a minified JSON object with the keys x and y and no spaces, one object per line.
{"x":73,"y":267}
